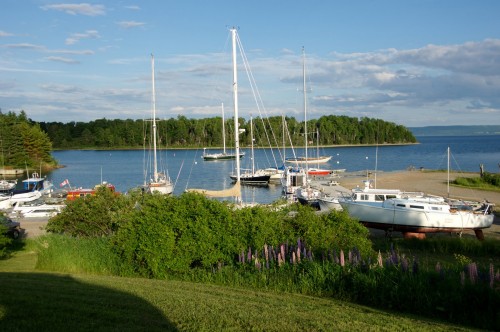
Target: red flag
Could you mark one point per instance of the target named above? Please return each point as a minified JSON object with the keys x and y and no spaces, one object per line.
{"x":65,"y":182}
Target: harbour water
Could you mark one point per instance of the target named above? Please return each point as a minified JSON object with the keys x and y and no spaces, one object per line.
{"x":125,"y":168}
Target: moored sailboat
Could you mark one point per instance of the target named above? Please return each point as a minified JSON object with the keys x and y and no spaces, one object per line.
{"x":160,"y":181}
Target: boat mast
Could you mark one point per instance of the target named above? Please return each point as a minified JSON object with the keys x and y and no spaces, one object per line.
{"x":223,"y":130}
{"x":235,"y":101}
{"x":305,"y":103}
{"x":155,"y":171}
{"x":251,"y":137}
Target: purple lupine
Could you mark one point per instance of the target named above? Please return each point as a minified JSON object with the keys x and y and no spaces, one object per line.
{"x":379,"y":259}
{"x":404,"y":264}
{"x":342,"y":260}
{"x":298,"y":244}
{"x":249,"y":255}
{"x":472,"y":267}
{"x":298,"y":255}
{"x":310,"y":255}
{"x":492,"y":276}
{"x":283,"y":252}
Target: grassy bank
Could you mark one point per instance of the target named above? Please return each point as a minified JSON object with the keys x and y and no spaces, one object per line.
{"x":75,"y":302}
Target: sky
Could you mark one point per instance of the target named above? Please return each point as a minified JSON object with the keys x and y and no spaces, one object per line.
{"x":414,"y":63}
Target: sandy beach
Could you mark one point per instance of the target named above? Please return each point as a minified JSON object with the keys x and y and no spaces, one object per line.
{"x":434,"y":183}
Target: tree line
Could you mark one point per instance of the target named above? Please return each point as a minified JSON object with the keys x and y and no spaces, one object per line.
{"x":23,"y":143}
{"x":182,"y":132}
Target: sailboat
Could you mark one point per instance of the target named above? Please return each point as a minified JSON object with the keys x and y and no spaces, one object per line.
{"x":253,"y":177}
{"x":224,"y":155}
{"x":317,"y":170}
{"x":304,"y":193}
{"x":160,"y":181}
{"x":235,"y":190}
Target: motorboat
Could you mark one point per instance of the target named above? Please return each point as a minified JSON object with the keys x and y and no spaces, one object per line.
{"x":420,"y":214}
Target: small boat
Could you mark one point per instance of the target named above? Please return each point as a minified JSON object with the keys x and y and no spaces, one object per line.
{"x":308,"y":160}
{"x":36,"y":209}
{"x":224,"y":155}
{"x":84,"y":192}
{"x":427,"y":214}
{"x":10,"y":201}
{"x":7,"y":186}
{"x":319,"y":171}
{"x":293,"y":178}
{"x":252,"y":176}
{"x":309,"y":196}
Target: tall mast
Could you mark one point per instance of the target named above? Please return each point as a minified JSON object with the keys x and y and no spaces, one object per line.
{"x":305,"y":101}
{"x":251,"y":137}
{"x":235,"y":100}
{"x":223,"y":130}
{"x":155,"y":171}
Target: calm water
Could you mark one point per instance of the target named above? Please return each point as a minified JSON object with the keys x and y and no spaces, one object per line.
{"x":187,"y":169}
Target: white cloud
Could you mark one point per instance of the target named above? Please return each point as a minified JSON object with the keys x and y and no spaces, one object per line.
{"x":62,"y":59}
{"x":130,"y":24}
{"x":76,"y":37}
{"x":77,"y":9}
{"x":5,"y":34}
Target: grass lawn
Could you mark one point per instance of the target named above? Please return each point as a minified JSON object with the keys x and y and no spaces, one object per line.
{"x":34,"y":301}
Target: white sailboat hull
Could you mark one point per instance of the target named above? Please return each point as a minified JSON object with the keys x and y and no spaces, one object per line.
{"x":417,"y":216}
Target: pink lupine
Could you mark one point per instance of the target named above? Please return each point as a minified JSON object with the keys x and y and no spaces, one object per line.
{"x":492,"y":276}
{"x":266,"y":252}
{"x":298,"y":255}
{"x":283,"y":252}
{"x":472,"y":272}
{"x":342,"y":260}
{"x":294,"y":258}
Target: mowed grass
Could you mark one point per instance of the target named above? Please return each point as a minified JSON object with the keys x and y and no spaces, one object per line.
{"x":34,"y":301}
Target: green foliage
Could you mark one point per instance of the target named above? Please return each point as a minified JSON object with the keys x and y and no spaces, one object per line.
{"x":92,"y":216}
{"x":184,"y":132}
{"x":489,"y":181}
{"x":333,"y":230}
{"x":23,"y":143}
{"x":68,"y":254}
{"x":5,"y":241}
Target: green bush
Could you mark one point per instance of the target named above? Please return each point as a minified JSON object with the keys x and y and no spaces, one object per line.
{"x":91,"y":216}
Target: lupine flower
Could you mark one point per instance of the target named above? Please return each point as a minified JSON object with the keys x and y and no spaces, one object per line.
{"x":294,"y":258}
{"x":280,"y":259}
{"x":379,"y":259}
{"x":336,"y":257}
{"x":462,"y":278}
{"x":492,"y":276}
{"x":266,"y":252}
{"x":310,"y":255}
{"x":283,"y":252}
{"x":472,"y":267}
{"x":404,"y":264}
{"x":249,"y":255}
{"x":342,"y":260}
{"x":298,"y":255}
{"x":349,"y":255}
{"x":298,"y":244}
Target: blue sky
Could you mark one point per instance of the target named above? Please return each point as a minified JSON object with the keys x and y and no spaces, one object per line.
{"x":415,"y":63}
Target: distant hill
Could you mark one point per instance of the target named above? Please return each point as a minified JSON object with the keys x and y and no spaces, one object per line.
{"x":455,"y":130}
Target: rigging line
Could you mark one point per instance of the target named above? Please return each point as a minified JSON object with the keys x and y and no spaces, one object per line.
{"x":178,"y":174}
{"x":257,"y":98}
